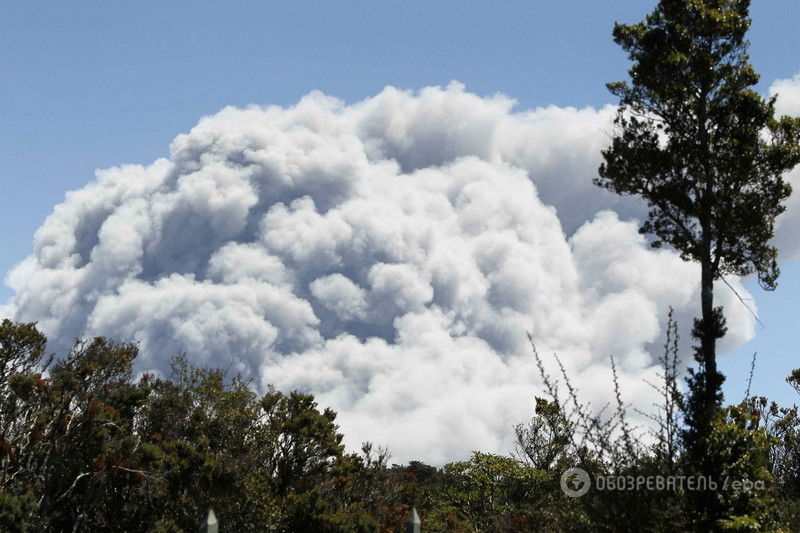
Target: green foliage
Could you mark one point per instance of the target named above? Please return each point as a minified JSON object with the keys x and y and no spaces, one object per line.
{"x":84,"y":446}
{"x":783,"y":427}
{"x":742,"y":447}
{"x":14,"y":511}
{"x":490,"y":493}
{"x":545,"y":439}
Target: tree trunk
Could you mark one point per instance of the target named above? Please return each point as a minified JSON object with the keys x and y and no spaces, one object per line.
{"x":711,"y":326}
{"x":708,"y":341}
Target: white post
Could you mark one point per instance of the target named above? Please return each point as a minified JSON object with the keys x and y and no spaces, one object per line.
{"x":210,"y":525}
{"x":413,"y":522}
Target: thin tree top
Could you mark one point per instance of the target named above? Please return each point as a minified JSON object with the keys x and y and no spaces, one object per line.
{"x":697,"y":142}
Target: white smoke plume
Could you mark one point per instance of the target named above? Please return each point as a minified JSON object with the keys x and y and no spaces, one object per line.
{"x":388,"y":256}
{"x":787,"y":92}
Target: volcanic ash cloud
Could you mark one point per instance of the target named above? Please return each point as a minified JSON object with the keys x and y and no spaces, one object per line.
{"x":388,"y":256}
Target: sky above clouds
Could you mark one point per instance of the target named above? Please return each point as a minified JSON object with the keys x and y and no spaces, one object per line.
{"x":370,"y":230}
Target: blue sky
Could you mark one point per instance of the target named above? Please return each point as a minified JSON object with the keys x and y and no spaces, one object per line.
{"x":92,"y":84}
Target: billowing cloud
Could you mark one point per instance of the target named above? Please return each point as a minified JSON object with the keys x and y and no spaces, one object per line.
{"x":787,"y":92}
{"x":388,"y":256}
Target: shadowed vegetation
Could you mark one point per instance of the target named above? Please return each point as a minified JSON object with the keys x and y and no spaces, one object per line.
{"x":87,"y":446}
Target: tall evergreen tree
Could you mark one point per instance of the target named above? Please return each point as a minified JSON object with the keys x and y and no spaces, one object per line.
{"x":707,"y":154}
